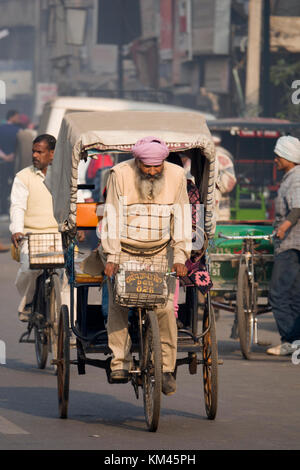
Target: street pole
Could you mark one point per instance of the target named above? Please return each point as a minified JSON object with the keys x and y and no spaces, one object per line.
{"x":266,"y":60}
{"x":120,"y":71}
{"x":253,"y":57}
{"x":37,"y":56}
{"x":120,"y":50}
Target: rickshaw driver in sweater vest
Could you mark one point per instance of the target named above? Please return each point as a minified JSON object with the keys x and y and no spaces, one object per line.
{"x":134,"y":188}
{"x":31,"y":211}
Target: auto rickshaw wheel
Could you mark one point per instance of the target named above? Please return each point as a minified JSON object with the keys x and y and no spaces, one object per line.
{"x":151,"y":371}
{"x":210,"y":360}
{"x":63,"y":362}
{"x":245,"y":315}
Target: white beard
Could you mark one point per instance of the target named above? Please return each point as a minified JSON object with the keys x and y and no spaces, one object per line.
{"x":148,"y":189}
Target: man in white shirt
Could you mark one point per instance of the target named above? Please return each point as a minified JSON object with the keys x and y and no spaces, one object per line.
{"x":31,"y":211}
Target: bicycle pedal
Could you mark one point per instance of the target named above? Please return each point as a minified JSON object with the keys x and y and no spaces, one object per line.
{"x":38,"y":316}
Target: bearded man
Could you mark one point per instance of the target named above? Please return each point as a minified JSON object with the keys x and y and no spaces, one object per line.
{"x":146,"y":214}
{"x":31,"y":212}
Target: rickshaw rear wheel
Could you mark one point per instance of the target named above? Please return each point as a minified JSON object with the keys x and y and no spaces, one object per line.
{"x":151,"y":371}
{"x":245,"y":316}
{"x":210,"y":360}
{"x":63,"y":362}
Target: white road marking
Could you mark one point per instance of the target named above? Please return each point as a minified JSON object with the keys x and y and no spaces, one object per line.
{"x":7,"y":427}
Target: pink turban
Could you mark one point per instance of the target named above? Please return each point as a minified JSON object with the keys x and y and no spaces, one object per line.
{"x":151,"y":151}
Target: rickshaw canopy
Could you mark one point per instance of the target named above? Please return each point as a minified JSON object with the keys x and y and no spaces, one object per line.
{"x":85,"y":134}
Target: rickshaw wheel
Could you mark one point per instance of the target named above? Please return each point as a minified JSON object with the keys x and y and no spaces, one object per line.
{"x":41,"y":338}
{"x":63,"y":362}
{"x":41,"y":346}
{"x":151,"y":371}
{"x":210,"y":361}
{"x":244,"y":312}
{"x":55,"y":306}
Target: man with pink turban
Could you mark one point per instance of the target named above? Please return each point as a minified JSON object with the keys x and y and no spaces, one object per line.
{"x":146,"y":215}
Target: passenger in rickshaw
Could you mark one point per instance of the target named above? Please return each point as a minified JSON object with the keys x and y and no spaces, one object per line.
{"x":194,"y":264}
{"x":225,"y":180}
{"x":134,"y":187}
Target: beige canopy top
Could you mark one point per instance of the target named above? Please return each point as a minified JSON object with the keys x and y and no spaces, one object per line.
{"x":118,"y":131}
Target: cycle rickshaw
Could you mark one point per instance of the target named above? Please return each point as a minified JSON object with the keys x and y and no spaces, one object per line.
{"x":47,"y":257}
{"x":242,"y":253}
{"x":87,"y":134}
{"x":241,"y":267}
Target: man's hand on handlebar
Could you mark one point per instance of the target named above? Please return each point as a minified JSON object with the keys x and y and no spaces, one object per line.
{"x":16,"y":238}
{"x":111,"y":269}
{"x":280,"y":233}
{"x":180,"y":269}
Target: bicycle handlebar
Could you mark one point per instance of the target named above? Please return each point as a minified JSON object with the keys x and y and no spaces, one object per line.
{"x":247,"y":237}
{"x":173,"y":273}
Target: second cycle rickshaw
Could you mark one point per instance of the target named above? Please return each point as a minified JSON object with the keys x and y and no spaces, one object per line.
{"x":241,"y":267}
{"x":46,"y":258}
{"x":84,"y":135}
{"x":242,"y":257}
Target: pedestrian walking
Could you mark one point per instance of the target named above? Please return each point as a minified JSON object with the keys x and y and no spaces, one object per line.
{"x":284,"y":295}
{"x":8,"y":142}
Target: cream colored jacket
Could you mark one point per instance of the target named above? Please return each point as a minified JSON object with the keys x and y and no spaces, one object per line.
{"x":31,"y":203}
{"x":146,"y":227}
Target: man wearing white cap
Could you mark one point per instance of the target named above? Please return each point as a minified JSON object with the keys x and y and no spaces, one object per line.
{"x":143,"y":193}
{"x":284,"y":295}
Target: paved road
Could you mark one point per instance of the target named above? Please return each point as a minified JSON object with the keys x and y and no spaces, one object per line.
{"x":258,"y":399}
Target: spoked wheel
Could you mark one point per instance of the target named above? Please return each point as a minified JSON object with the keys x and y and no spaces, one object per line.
{"x":63,"y":362}
{"x":41,"y":339}
{"x":245,"y":315}
{"x":210,"y":360}
{"x":41,"y":346}
{"x":54,"y":312}
{"x":152,"y":371}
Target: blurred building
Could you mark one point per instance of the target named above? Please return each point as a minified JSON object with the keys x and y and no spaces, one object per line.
{"x":17,"y":53}
{"x":185,"y":52}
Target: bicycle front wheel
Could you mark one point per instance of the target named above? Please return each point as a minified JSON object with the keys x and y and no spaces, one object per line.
{"x":152,"y":371}
{"x":41,"y":346}
{"x":41,"y":339}
{"x":245,"y":314}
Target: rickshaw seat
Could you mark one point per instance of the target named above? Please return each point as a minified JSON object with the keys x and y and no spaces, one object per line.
{"x":82,"y":278}
{"x":86,"y":216}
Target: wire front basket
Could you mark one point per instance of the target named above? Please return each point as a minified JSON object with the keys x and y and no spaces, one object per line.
{"x":142,"y":282}
{"x":45,"y":250}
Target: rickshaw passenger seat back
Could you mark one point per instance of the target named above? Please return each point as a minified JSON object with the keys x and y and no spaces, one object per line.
{"x":86,"y":216}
